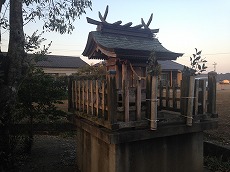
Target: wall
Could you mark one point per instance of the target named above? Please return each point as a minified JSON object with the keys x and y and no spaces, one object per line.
{"x":60,"y":71}
{"x":179,"y":153}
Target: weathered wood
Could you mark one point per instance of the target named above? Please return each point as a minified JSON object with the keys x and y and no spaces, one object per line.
{"x":70,"y":103}
{"x":103,"y":99}
{"x":138,"y":100}
{"x":148,"y":96}
{"x":161,"y":95}
{"x":79,"y":95}
{"x":91,"y":96}
{"x":184,"y":94}
{"x":73,"y":98}
{"x":167,"y":95}
{"x":212,"y":93}
{"x":125,"y":88}
{"x":174,"y":96}
{"x":112,"y":99}
{"x":75,"y":94}
{"x":204,"y":97}
{"x":153,"y":119}
{"x":196,"y":103}
{"x":190,"y":101}
{"x":97,"y":98}
{"x":87,"y":96}
{"x":83,"y":95}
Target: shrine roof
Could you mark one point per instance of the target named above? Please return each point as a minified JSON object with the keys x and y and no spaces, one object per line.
{"x":124,"y":41}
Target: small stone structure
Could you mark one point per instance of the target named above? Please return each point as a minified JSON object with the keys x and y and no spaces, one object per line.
{"x":127,"y":121}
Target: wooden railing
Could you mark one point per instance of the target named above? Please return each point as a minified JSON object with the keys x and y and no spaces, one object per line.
{"x":99,"y":101}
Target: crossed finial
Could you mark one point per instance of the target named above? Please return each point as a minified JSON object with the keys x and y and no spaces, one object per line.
{"x":146,"y":26}
{"x":105,"y":14}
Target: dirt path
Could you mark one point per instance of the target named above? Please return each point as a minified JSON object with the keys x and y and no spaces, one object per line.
{"x":51,"y":154}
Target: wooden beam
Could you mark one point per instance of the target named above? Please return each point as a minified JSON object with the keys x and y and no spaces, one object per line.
{"x":79,"y":95}
{"x":87,"y":96}
{"x":97,"y":98}
{"x":196,"y":97}
{"x":75,"y":94}
{"x":127,"y":24}
{"x":91,"y":96}
{"x":174,"y":98}
{"x":103,"y":99}
{"x":125,"y":88}
{"x":117,"y":22}
{"x":212,"y":93}
{"x":112,"y":97}
{"x":92,"y":21}
{"x":70,"y":102}
{"x":138,"y":100}
{"x":190,"y":101}
{"x":153,"y":119}
{"x":83,"y":95}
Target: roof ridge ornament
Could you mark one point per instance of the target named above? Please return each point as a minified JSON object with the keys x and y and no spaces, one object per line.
{"x":118,"y":27}
{"x":105,"y":14}
{"x":146,"y":26}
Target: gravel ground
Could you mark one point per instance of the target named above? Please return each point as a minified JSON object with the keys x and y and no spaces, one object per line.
{"x":51,"y":154}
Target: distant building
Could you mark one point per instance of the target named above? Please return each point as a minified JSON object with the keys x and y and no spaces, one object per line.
{"x":61,"y":65}
{"x":171,"y":72}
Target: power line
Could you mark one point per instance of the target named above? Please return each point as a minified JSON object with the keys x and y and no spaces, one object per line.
{"x":208,"y":54}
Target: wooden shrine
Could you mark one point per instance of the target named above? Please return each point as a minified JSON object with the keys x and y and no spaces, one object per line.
{"x":127,"y":120}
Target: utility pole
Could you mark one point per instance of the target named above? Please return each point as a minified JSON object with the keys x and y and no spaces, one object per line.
{"x":214,"y":64}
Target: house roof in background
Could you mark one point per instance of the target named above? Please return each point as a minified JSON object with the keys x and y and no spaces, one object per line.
{"x":56,"y":61}
{"x":170,"y":65}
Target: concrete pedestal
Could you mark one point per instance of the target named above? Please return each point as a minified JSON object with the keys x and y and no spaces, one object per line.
{"x":168,"y":149}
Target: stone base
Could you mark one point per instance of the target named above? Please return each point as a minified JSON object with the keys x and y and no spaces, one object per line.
{"x":101,"y":150}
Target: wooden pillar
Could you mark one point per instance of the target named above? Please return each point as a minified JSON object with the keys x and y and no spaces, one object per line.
{"x":161,"y":95}
{"x":212,"y":94}
{"x":171,"y":79}
{"x":70,"y":102}
{"x":125,"y":88}
{"x":153,"y":118}
{"x":148,"y":96}
{"x":103,"y":99}
{"x":196,"y":97}
{"x":91,"y":96}
{"x":87,"y":96}
{"x":83,"y":95}
{"x":202,"y":97}
{"x":167,"y":94}
{"x":138,"y":100}
{"x":79,"y":95}
{"x":190,"y":101}
{"x":112,"y":97}
{"x":74,"y":94}
{"x":174,"y":98}
{"x":97,"y":98}
{"x":184,"y":94}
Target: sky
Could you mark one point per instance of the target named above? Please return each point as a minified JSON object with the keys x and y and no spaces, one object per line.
{"x":184,"y":26}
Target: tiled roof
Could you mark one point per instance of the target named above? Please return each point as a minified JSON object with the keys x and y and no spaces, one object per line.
{"x":115,"y":41}
{"x":127,"y":45}
{"x":170,"y":65}
{"x":55,"y":61}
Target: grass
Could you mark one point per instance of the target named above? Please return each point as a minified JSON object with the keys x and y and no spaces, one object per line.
{"x":216,"y":164}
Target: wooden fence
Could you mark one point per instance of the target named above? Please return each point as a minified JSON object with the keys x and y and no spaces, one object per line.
{"x":99,"y":101}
